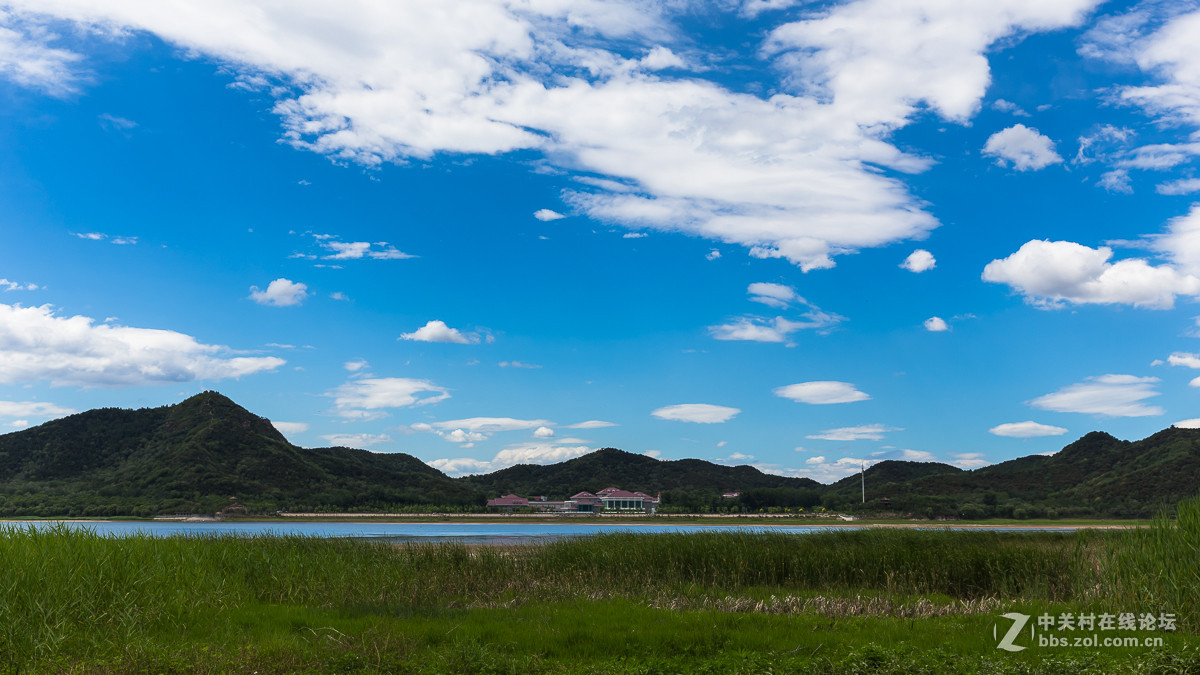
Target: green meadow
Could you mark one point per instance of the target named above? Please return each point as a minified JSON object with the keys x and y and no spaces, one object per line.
{"x":864,"y":601}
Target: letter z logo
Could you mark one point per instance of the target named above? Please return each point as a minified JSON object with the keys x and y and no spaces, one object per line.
{"x":1019,"y":620}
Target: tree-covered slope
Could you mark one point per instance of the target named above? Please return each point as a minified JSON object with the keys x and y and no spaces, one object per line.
{"x":194,"y":456}
{"x":610,"y":467}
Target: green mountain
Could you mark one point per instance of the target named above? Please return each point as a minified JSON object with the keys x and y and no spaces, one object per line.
{"x":1096,"y":475}
{"x":194,"y":456}
{"x":610,"y":467}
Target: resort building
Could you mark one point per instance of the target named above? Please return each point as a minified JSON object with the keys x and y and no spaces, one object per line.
{"x":611,"y":500}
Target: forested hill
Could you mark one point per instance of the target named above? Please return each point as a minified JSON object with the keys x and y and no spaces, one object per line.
{"x":610,"y":467}
{"x":194,"y":456}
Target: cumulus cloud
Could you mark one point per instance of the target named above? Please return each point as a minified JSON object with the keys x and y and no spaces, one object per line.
{"x":821,"y":392}
{"x":27,"y":58}
{"x":969,"y":460}
{"x":1107,"y":395}
{"x":1193,"y":423}
{"x":1025,"y":148}
{"x":591,"y":424}
{"x":360,"y":441}
{"x":919,"y":261}
{"x":864,"y":432}
{"x":1159,"y":38}
{"x":792,"y":176}
{"x":37,"y":345}
{"x":1182,"y":186}
{"x":778,"y":329}
{"x":520,"y":453}
{"x":1026,"y":430}
{"x":546,"y":215}
{"x":519,"y":364}
{"x":355,"y":366}
{"x":289,"y":428}
{"x":280,"y":293}
{"x":936,"y":324}
{"x":702,"y":413}
{"x":7,"y":285}
{"x":358,"y":250}
{"x":774,"y":295}
{"x":367,"y":398}
{"x":475,"y":429}
{"x":1051,"y":274}
{"x":34,"y":409}
{"x":438,"y":331}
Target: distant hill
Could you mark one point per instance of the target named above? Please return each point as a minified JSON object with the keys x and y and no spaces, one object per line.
{"x":610,"y":467}
{"x":194,"y":456}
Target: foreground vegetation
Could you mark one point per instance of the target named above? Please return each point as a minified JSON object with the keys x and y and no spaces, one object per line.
{"x":729,"y":601}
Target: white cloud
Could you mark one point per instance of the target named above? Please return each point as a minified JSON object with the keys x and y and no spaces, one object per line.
{"x":289,"y":428}
{"x":774,"y":295}
{"x":1167,"y":51}
{"x":476,"y":429}
{"x":1188,"y":424}
{"x":1107,"y":395}
{"x":1116,"y":180}
{"x":1182,"y":186}
{"x":1184,"y":359}
{"x":793,"y":176}
{"x":7,"y":285}
{"x":1026,"y":430}
{"x":1052,"y":273}
{"x":36,"y":409}
{"x":280,"y":293}
{"x":490,"y":425}
{"x":360,"y":441}
{"x":1181,"y":242}
{"x":936,"y":324}
{"x":37,"y":345}
{"x":1026,"y":148}
{"x":355,"y":366}
{"x":520,"y":453}
{"x":438,"y":331}
{"x":546,"y":215}
{"x":357,"y":250}
{"x":702,"y":413}
{"x":1009,"y":107}
{"x":366,"y":398}
{"x":100,"y":236}
{"x":713,"y":254}
{"x":969,"y":460}
{"x":869,"y":432}
{"x":591,"y":424}
{"x":821,"y":392}
{"x":27,"y":59}
{"x":819,"y":459}
{"x":519,"y":364}
{"x":919,"y":261}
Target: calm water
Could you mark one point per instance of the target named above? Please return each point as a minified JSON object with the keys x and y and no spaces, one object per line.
{"x":469,"y":533}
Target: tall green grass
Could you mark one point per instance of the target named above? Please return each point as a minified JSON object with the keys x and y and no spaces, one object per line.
{"x":1157,"y":568}
{"x":70,"y":591}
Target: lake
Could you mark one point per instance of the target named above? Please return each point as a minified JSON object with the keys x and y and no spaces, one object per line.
{"x":467,"y":533}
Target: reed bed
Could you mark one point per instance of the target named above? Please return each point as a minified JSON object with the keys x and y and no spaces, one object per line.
{"x":1156,"y":568}
{"x":71,"y":591}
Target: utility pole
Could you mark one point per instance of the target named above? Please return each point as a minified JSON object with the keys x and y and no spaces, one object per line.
{"x":863,"y":469}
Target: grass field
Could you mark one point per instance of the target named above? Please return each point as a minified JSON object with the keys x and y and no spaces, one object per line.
{"x":879,"y":600}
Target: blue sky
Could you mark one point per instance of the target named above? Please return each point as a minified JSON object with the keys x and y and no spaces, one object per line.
{"x":797,"y":235}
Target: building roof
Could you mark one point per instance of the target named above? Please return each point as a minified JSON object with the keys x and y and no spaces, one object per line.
{"x":622,"y":494}
{"x":508,"y":500}
{"x":583,"y":495}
